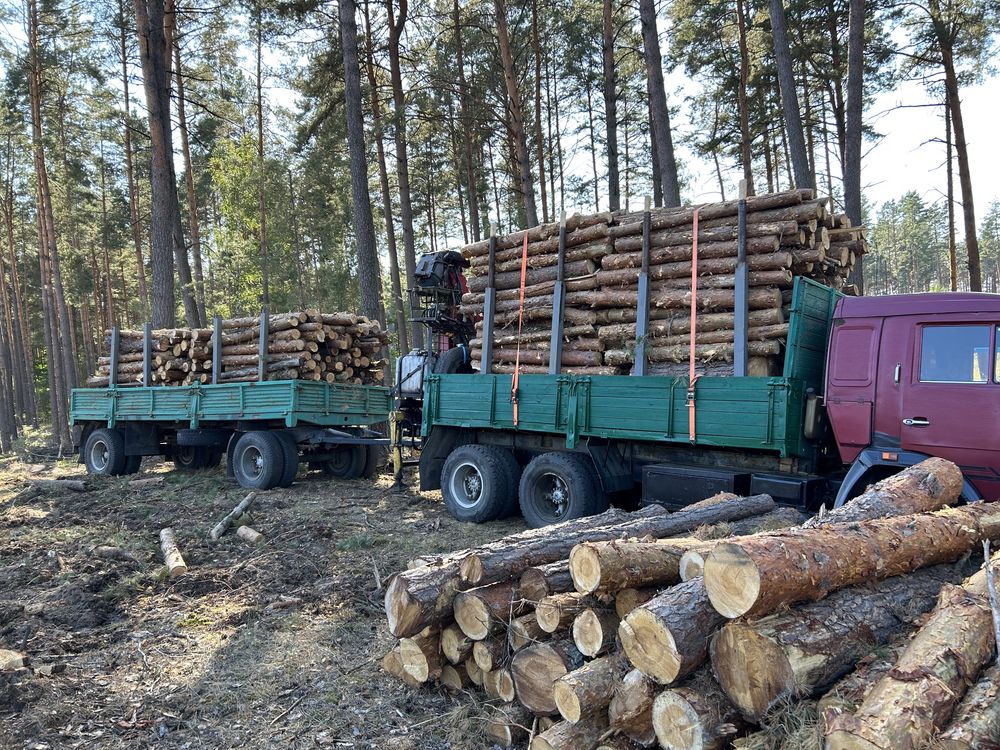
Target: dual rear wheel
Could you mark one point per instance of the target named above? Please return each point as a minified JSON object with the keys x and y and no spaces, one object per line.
{"x":485,"y":482}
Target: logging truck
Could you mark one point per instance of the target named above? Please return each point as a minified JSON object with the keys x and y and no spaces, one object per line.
{"x":868,"y":385}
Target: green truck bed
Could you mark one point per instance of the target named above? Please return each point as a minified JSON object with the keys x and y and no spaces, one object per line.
{"x":760,"y":413}
{"x":290,"y":403}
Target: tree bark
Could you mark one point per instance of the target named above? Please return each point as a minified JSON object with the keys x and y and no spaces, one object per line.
{"x":515,"y":120}
{"x":659,"y":112}
{"x":399,"y":302}
{"x":742,"y":103}
{"x":758,"y":576}
{"x":610,"y":102}
{"x":369,"y":273}
{"x":607,"y":567}
{"x":789,"y":97}
{"x":695,"y":716}
{"x":854,"y":125}
{"x":514,"y":554}
{"x":536,"y":48}
{"x":667,"y":637}
{"x":483,"y":611}
{"x":918,"y":695}
{"x":541,"y":581}
{"x":587,"y":690}
{"x":631,"y":708}
{"x":801,"y":652}
{"x":926,"y":486}
{"x":976,"y":723}
{"x":536,"y":669}
{"x":564,"y":735}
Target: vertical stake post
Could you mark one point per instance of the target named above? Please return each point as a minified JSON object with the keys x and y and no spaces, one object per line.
{"x":116,"y":338}
{"x":216,"y":349}
{"x":489,"y":304}
{"x":741,"y":312}
{"x":147,"y":354}
{"x":558,"y":303}
{"x":262,"y":359}
{"x":642,"y":308}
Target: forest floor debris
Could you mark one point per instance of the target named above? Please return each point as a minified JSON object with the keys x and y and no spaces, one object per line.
{"x":266,"y":646}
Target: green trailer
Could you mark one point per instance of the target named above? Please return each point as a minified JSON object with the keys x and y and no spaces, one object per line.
{"x":583,"y":438}
{"x":266,"y":428}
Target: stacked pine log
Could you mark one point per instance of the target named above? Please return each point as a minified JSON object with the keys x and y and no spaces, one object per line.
{"x":333,"y":347}
{"x":617,"y":632}
{"x":788,"y":234}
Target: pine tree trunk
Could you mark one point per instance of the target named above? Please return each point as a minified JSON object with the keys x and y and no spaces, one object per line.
{"x":611,"y":103}
{"x":468,"y":141}
{"x":853,"y":134}
{"x":369,"y":273}
{"x":659,"y":112}
{"x":152,"y":52}
{"x":536,"y":48}
{"x":133,"y":204}
{"x":396,"y":24}
{"x":192,"y":199}
{"x":515,"y":116}
{"x":789,"y":97}
{"x":399,"y":303}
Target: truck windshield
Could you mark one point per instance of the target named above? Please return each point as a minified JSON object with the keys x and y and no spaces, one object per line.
{"x":955,"y":354}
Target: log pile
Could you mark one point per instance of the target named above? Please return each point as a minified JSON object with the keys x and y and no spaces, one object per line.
{"x":788,"y":234}
{"x":311,"y":345}
{"x":684,"y":670}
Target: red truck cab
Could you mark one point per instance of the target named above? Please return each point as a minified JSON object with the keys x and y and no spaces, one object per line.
{"x":916,"y":375}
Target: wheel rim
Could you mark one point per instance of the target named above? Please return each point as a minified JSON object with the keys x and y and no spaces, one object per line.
{"x":341,"y":461}
{"x":467,"y":485}
{"x":100,"y":455}
{"x":252,"y":462}
{"x":554,"y":494}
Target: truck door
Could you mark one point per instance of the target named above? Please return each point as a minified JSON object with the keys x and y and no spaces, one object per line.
{"x":951,"y":399}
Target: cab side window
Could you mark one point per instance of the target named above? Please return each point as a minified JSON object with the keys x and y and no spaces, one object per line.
{"x":955,"y":354}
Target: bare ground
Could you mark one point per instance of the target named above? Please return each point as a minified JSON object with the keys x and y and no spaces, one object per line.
{"x":273,"y":646}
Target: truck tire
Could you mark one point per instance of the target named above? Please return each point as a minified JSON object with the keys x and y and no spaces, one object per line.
{"x":513,"y":469}
{"x":104,"y":453}
{"x":191,"y":457}
{"x":453,"y":361}
{"x":376,"y":457}
{"x":476,"y":483}
{"x":348,"y":463}
{"x":258,"y":460}
{"x":558,"y":487}
{"x":290,"y":449}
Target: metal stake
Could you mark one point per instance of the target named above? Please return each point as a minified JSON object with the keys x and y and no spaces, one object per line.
{"x":262,"y":361}
{"x":742,"y":313}
{"x":489,"y":305}
{"x":642,"y":308}
{"x":558,"y":303}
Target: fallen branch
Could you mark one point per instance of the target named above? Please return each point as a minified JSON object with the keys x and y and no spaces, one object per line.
{"x":171,"y":554}
{"x":251,"y":535}
{"x":222,"y":526}
{"x":76,"y":485}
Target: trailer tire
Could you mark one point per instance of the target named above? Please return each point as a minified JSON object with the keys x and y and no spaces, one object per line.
{"x":349,"y":463}
{"x":132,"y":465}
{"x":258,"y":460}
{"x":104,"y":453}
{"x":513,"y":469}
{"x":476,"y":483}
{"x":558,"y":486}
{"x":290,"y":449}
{"x":191,"y":457}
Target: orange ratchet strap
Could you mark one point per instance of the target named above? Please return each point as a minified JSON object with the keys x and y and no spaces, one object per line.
{"x":516,"y":379}
{"x":692,"y":376}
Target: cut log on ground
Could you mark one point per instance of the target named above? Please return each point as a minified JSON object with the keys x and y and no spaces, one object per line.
{"x":628,"y":599}
{"x":509,"y":725}
{"x":512,"y":555}
{"x":605,"y":567}
{"x":916,"y":698}
{"x":421,"y":655}
{"x":588,"y":690}
{"x":594,"y":631}
{"x":584,"y":735}
{"x":557,"y":612}
{"x":801,"y":652}
{"x":695,"y":716}
{"x":223,"y":526}
{"x":759,"y":575}
{"x":455,"y":645}
{"x":172,"y":557}
{"x":489,"y":654}
{"x":928,"y":485}
{"x":455,"y":678}
{"x":482,"y":611}
{"x":667,"y":637}
{"x":392,"y":664}
{"x":535,"y":670}
{"x":543,"y":580}
{"x":631,"y":707}
{"x":524,"y":631}
{"x":250,"y":535}
{"x":976,"y":723}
